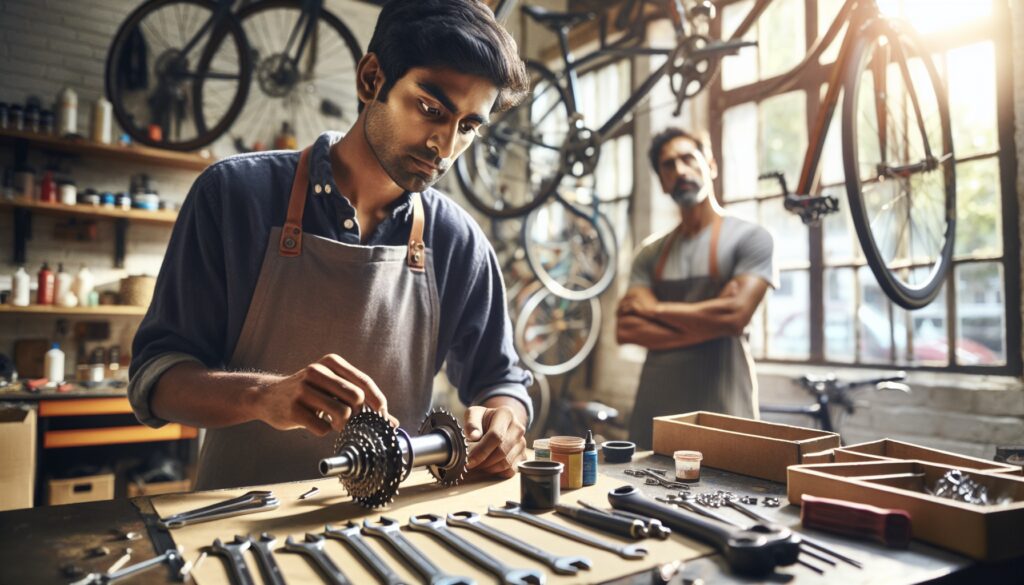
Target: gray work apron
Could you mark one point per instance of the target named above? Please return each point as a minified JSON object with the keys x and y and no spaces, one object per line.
{"x":715,"y":375}
{"x":375,"y":306}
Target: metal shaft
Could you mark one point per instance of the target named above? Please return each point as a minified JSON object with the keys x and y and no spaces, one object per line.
{"x":430,"y":449}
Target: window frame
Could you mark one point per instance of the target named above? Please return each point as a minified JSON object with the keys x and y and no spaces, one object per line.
{"x":997,"y":29}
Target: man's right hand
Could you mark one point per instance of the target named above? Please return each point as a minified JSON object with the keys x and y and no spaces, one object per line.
{"x":320,"y":397}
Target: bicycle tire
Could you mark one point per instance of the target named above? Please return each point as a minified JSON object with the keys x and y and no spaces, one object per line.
{"x":545,"y":305}
{"x":902,"y":40}
{"x":580,"y":234}
{"x":473,"y":168}
{"x":540,"y":395}
{"x":123,"y":111}
{"x":302,"y":109}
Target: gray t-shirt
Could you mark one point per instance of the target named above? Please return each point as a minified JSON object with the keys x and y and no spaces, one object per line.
{"x":743,"y":248}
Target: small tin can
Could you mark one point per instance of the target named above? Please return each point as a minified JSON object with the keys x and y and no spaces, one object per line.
{"x":539,"y":484}
{"x":541,"y":450}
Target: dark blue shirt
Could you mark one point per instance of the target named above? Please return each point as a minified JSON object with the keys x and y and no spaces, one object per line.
{"x":216,"y":250}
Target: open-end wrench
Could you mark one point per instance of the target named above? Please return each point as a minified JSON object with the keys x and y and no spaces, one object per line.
{"x":388,"y":530}
{"x":512,"y":510}
{"x":561,"y":565}
{"x":654,"y":526}
{"x":232,"y":551}
{"x":110,"y":577}
{"x":254,"y":501}
{"x":313,"y":547}
{"x":435,"y":526}
{"x":351,"y":536}
{"x":747,"y":551}
{"x":263,"y":550}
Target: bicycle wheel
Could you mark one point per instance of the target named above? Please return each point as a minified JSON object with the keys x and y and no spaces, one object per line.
{"x":898,"y":158}
{"x":572,"y":252}
{"x":517,"y":163}
{"x":150,"y":79}
{"x":540,"y":395}
{"x":311,"y":92}
{"x":554,"y":335}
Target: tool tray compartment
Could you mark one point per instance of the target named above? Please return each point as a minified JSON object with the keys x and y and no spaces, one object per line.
{"x":888,"y":450}
{"x":987,"y":533}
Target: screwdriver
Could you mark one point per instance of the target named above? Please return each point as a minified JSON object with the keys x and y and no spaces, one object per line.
{"x":617,"y":525}
{"x":887,"y":526}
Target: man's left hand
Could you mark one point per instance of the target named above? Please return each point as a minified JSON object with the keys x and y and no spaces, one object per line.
{"x":499,"y":428}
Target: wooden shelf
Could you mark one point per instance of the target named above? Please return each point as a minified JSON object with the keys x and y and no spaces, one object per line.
{"x":135,"y":153}
{"x":84,"y":407}
{"x":100,"y":311}
{"x":116,"y":435}
{"x":134,"y":215}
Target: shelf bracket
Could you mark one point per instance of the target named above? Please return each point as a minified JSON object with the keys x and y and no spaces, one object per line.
{"x":22,"y":234}
{"x":120,"y":236}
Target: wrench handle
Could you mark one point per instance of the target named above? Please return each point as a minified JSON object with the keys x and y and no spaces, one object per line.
{"x":409,"y":552}
{"x":510,"y":541}
{"x":377,"y":565}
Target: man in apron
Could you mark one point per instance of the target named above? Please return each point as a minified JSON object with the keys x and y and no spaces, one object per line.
{"x":300,"y":287}
{"x":691,"y":294}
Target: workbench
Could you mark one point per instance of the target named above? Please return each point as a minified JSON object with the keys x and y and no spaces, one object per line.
{"x":36,"y":543}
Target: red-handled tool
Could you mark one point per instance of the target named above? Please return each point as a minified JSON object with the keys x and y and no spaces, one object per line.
{"x":889,"y":527}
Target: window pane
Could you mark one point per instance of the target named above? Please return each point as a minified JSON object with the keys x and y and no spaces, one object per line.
{"x":739,"y":69}
{"x":840,"y":301}
{"x":979,"y":208}
{"x":756,"y":332}
{"x":840,"y":245}
{"x":931,"y":16}
{"x":780,"y":43}
{"x":789,"y":232}
{"x":971,"y":81}
{"x":746,"y":210}
{"x":831,"y":161}
{"x":827,"y":12}
{"x":930,"y":339}
{"x":980,"y":315}
{"x":789,"y":317}
{"x":873,"y":324}
{"x":739,"y":152}
{"x":783,"y":136}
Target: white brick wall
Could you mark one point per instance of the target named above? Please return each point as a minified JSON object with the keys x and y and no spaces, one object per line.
{"x":44,"y":46}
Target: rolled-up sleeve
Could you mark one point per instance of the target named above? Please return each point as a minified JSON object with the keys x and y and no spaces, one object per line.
{"x":482,"y":361}
{"x":186,"y":319}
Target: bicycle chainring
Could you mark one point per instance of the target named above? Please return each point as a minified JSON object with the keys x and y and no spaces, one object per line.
{"x":441,"y":419}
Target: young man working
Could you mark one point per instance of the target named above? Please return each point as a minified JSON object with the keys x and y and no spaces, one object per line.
{"x":299,"y":287}
{"x":691,"y":294}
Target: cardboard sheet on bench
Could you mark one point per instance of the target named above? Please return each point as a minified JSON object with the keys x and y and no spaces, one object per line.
{"x":418,"y":495}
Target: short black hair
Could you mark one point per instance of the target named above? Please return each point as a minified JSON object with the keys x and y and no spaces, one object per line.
{"x":668,"y":135}
{"x":459,"y":34}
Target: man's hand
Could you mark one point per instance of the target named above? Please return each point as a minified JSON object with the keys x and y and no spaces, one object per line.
{"x":319,"y":397}
{"x":640,"y":302}
{"x":499,"y":427}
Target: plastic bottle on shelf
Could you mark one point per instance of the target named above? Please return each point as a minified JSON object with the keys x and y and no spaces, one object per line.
{"x":44,"y":294}
{"x":102,"y":113}
{"x":20,"y":286}
{"x":53,"y":365}
{"x":83,"y":285}
{"x":67,"y":112}
{"x":64,"y":280}
{"x":48,"y":188}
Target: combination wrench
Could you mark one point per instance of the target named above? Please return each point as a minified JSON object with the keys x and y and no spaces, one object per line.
{"x":313,"y":547}
{"x":351,"y":536}
{"x":232,"y":552}
{"x":388,"y":530}
{"x":263,"y":550}
{"x":561,"y":565}
{"x":435,"y":526}
{"x":512,"y":510}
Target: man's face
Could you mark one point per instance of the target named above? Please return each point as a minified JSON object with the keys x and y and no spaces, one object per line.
{"x":431,"y":116}
{"x":685,"y":173}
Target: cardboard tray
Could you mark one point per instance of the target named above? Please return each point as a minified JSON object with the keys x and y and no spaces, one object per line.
{"x":988,"y":533}
{"x":741,"y":445}
{"x":889,"y":449}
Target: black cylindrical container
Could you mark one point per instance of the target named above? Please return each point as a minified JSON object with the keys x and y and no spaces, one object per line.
{"x":539,"y":484}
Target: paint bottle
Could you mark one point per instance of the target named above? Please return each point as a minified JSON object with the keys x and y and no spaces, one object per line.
{"x":589,"y":460}
{"x":63,"y":281}
{"x":67,"y":112}
{"x":44,"y":294}
{"x":20,"y":288}
{"x":53,"y":365}
{"x":569,"y":452}
{"x":541,"y":449}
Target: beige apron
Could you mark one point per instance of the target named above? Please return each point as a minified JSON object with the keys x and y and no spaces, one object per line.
{"x":375,"y":306}
{"x":715,"y":375}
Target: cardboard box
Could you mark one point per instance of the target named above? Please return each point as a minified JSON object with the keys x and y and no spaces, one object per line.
{"x":17,"y":457}
{"x":157,"y":488}
{"x":888,"y":449}
{"x":90,"y":488}
{"x":988,"y":533}
{"x":741,"y":445}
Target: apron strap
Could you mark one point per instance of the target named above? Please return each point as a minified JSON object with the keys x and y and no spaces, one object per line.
{"x":291,"y":234}
{"x":716,"y":230}
{"x":417,"y":257}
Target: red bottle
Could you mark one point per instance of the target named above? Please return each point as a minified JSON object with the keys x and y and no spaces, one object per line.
{"x":48,"y":188}
{"x":44,"y":296}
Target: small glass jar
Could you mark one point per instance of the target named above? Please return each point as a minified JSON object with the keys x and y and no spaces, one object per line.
{"x":688,"y":465}
{"x":541,"y":449}
{"x":569,"y":452}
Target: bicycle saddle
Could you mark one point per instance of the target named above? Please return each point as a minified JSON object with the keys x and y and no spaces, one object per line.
{"x":557,"y":20}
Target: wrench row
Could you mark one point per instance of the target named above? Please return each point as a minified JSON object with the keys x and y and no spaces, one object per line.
{"x":388,"y":530}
